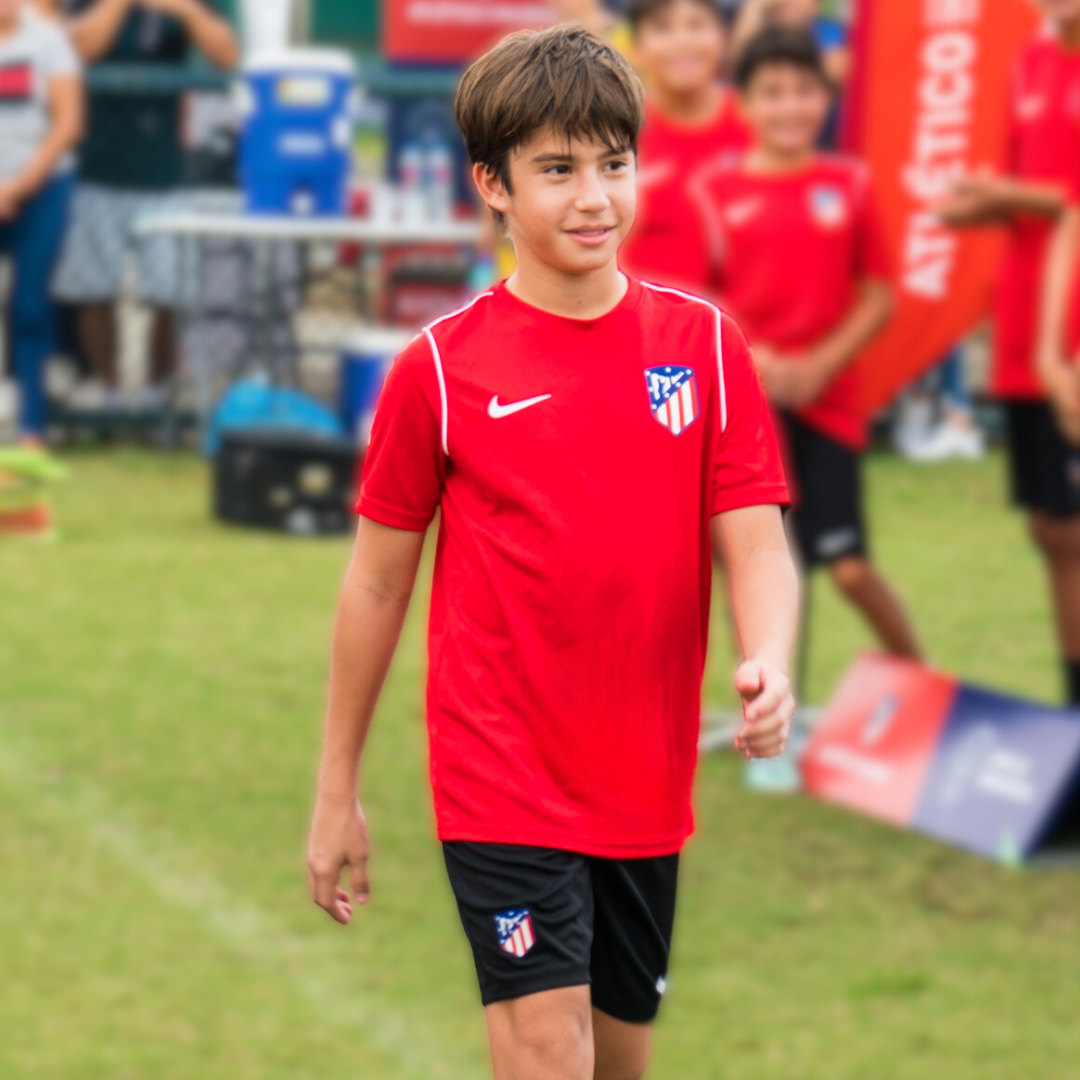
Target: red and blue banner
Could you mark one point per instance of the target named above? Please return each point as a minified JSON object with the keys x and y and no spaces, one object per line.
{"x":927,"y":103}
{"x":454,"y":31}
{"x":989,"y":773}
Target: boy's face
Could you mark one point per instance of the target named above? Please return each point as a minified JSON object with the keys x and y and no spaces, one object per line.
{"x":572,"y":204}
{"x":1060,"y":11}
{"x":787,"y":106}
{"x":681,"y":46}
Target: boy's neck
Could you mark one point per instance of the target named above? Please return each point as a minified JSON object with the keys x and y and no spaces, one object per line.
{"x":695,"y":106}
{"x":1069,"y":33}
{"x":571,"y":296}
{"x":764,"y":159}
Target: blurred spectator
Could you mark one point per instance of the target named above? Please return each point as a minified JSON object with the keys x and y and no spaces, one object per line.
{"x":132,"y":160}
{"x":41,"y":111}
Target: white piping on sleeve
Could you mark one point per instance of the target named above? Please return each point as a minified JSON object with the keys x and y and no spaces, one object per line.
{"x":444,"y":408}
{"x":440,"y":374}
{"x":719,"y":319}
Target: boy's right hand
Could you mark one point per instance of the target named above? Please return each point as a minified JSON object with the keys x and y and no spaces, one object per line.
{"x":338,"y":838}
{"x":768,"y":709}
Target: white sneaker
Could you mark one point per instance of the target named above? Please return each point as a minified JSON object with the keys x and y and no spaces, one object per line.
{"x":61,"y":379}
{"x":88,"y":396}
{"x":949,"y":441}
{"x":914,"y":424}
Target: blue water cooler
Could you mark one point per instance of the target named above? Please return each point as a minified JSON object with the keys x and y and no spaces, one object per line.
{"x":367,"y":354}
{"x":296,"y":141}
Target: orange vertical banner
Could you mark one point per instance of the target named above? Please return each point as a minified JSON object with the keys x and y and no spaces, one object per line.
{"x":927,"y":103}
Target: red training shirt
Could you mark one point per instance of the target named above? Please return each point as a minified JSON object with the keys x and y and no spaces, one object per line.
{"x":1043,"y":115}
{"x":663,"y":245}
{"x":788,"y":253}
{"x":570,"y":605}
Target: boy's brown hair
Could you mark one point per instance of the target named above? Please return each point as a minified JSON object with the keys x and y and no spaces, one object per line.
{"x":563,"y":79}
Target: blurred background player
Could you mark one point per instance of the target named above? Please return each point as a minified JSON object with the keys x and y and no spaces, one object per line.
{"x":691,"y":120}
{"x":829,"y":33}
{"x":1027,"y":197}
{"x":799,"y":260}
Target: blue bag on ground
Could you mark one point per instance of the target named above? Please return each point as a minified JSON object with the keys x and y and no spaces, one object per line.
{"x":255,"y":404}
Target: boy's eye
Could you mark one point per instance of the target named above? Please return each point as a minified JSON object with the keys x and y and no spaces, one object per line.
{"x":618,"y":165}
{"x":558,"y":170}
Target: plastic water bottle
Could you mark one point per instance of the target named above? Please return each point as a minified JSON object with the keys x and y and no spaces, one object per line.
{"x":439,"y":176}
{"x":411,"y":175}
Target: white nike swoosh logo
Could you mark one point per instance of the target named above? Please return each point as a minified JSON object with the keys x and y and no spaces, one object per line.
{"x":498,"y":412}
{"x":741,"y":213}
{"x":651,"y":175}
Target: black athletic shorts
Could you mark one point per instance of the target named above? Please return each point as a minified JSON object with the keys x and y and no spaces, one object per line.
{"x":543,"y":919}
{"x":827,"y":516}
{"x":1044,"y":468}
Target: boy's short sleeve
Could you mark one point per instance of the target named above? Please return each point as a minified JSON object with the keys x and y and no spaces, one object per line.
{"x":405,"y":466}
{"x":872,"y":247}
{"x":749,"y":470}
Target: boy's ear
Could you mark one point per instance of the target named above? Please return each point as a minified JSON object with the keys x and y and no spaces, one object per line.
{"x":492,"y":190}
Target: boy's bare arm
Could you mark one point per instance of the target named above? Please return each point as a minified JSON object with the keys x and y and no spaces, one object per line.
{"x":374,"y":599}
{"x":751,"y":546}
{"x":796,"y":385}
{"x":1060,"y":377}
{"x":988,"y":198}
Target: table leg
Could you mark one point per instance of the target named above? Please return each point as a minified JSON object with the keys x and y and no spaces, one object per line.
{"x":200,"y":351}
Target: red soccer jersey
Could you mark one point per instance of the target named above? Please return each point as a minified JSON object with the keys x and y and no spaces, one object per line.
{"x":577,"y":465}
{"x":788,"y":253}
{"x":663,"y":245}
{"x":1043,"y":116}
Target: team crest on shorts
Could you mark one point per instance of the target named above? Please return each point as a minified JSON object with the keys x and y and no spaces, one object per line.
{"x":828,"y":206}
{"x":515,"y":932}
{"x":673,"y":397}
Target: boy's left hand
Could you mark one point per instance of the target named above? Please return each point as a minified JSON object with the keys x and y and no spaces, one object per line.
{"x":768,"y":709}
{"x":789,"y":383}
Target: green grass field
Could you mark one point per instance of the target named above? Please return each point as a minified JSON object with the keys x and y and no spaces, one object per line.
{"x":161,"y":686}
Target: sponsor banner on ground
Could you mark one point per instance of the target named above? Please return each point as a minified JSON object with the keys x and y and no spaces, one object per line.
{"x":993,"y":774}
{"x":453,"y":31}
{"x":928,"y":103}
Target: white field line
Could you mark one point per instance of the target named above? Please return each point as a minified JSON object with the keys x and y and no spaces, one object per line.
{"x":327,"y":984}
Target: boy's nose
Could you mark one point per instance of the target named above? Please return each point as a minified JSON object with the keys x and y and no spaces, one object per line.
{"x":591,"y":194}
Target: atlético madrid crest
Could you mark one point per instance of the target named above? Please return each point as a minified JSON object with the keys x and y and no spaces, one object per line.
{"x":673,"y":396}
{"x":828,"y":206}
{"x":515,"y":930}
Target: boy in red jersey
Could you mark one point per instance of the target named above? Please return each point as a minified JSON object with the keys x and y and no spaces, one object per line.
{"x":587,"y":440}
{"x":691,"y":120}
{"x":799,"y":259}
{"x":1027,"y":197}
